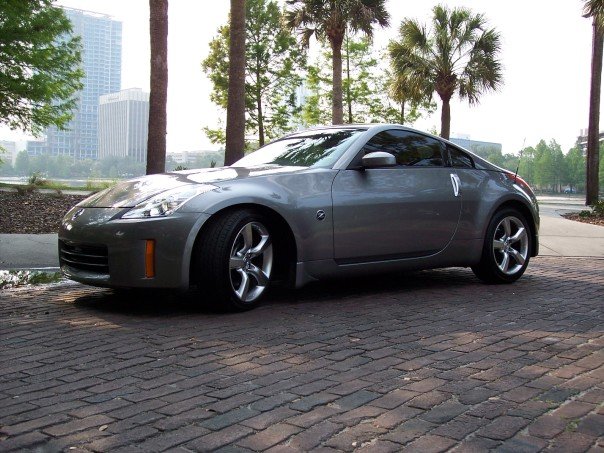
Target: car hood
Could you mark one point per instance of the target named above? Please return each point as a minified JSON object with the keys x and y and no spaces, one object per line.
{"x":127,"y":194}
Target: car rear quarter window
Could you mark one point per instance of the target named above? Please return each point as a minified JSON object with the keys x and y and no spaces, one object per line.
{"x":459,"y":159}
{"x":409,"y":148}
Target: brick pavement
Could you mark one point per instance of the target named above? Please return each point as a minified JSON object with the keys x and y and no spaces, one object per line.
{"x":428,"y":361}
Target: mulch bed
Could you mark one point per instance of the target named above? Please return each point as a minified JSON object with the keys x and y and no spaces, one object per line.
{"x":34,"y":212}
{"x":593,"y":219}
{"x":38,"y":213}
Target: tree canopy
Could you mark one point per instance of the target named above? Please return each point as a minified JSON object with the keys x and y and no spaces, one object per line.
{"x":40,"y":72}
{"x":365,"y":84}
{"x":457,"y":55}
{"x":330,"y":20}
{"x":274,"y":63}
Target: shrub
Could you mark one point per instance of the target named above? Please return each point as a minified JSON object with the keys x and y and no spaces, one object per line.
{"x":37,"y":179}
{"x":598,"y":208}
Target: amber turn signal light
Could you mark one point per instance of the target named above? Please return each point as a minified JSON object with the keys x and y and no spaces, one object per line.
{"x":150,"y":258}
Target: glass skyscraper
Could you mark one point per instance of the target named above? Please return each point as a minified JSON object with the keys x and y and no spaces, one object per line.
{"x":101,"y":38}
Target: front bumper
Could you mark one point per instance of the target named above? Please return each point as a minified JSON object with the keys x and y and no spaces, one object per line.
{"x":97,"y":247}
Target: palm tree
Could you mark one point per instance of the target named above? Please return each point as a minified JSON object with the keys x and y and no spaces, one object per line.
{"x":235,"y":126}
{"x":595,"y":10}
{"x":458,"y":55}
{"x":329,"y":19}
{"x":156,"y":138}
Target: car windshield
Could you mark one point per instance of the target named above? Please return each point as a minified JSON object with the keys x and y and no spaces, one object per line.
{"x":320,"y":148}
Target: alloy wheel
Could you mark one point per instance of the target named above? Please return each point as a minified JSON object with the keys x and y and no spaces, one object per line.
{"x":251,"y":261}
{"x":510,"y":245}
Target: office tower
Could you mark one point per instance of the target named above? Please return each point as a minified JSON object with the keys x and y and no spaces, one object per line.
{"x":123,"y":124}
{"x":101,"y":39}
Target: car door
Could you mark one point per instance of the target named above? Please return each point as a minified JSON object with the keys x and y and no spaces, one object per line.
{"x":410,"y":210}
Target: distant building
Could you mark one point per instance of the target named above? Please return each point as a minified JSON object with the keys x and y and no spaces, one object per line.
{"x":102,"y":63}
{"x":123,"y":124}
{"x":193,"y":159}
{"x":8,"y":151}
{"x":476,"y":146}
{"x":582,"y":140}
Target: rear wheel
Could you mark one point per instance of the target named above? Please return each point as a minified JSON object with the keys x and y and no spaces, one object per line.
{"x":506,"y":249}
{"x":235,"y":260}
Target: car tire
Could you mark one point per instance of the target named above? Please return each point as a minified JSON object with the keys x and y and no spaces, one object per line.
{"x":507,"y":248}
{"x":235,"y":260}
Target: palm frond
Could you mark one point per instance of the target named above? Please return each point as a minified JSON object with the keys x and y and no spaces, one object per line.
{"x":457,"y":54}
{"x":594,"y":9}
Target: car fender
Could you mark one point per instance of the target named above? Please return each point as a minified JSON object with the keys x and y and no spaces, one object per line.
{"x":297,"y":198}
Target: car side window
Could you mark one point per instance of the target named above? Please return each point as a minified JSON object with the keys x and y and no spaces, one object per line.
{"x":459,"y":159}
{"x":409,"y":148}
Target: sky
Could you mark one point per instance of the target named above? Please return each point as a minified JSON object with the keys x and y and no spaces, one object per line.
{"x":546,"y":54}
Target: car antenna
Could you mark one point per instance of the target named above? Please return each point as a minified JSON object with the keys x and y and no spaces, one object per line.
{"x":518,"y":166}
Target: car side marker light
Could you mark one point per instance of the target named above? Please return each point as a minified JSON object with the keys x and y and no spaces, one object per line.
{"x":150,"y":258}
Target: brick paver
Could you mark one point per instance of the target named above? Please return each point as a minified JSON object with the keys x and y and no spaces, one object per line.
{"x":427,"y":361}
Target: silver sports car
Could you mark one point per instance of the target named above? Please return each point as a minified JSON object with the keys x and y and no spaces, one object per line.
{"x":326,"y":202}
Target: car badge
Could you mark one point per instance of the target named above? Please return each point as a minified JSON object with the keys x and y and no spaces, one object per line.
{"x":77,"y":214}
{"x":320,"y":214}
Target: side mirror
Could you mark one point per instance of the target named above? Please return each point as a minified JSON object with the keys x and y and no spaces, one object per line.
{"x":378,"y":159}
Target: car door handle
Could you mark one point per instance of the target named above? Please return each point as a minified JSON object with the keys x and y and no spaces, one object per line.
{"x":456,"y":182}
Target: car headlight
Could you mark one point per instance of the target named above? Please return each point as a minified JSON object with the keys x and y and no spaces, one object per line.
{"x":167,"y":202}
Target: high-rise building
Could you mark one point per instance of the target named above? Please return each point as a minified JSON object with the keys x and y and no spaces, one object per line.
{"x":8,"y":151}
{"x":101,"y":39}
{"x":123,"y":124}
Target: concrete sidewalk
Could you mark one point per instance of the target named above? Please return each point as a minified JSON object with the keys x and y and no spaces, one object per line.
{"x":29,"y":251}
{"x":562,"y":237}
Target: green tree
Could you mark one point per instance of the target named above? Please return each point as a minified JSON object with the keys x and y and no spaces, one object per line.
{"x":366,"y":88}
{"x":560,"y":172}
{"x":274,"y":62}
{"x":575,"y":168}
{"x":511,"y":162}
{"x":526,"y":164}
{"x":22,"y":164}
{"x":457,"y":55}
{"x":329,"y":20}
{"x":158,"y":97}
{"x":315,"y":109}
{"x":594,"y":9}
{"x":544,"y":166}
{"x":40,"y":61}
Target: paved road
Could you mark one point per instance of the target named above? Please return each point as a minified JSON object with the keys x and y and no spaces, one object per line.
{"x":428,"y":361}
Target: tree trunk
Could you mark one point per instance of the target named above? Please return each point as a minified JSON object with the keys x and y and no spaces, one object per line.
{"x":593,"y":134}
{"x":235,"y":127}
{"x":445,"y":118}
{"x":156,"y":138}
{"x":337,"y":112}
{"x":403,"y":112}
{"x":348,"y":94}
{"x":260,"y":118}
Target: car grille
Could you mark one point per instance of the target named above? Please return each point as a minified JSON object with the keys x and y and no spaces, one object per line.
{"x":84,"y":257}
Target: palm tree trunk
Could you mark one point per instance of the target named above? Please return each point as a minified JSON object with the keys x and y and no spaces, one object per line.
{"x":593,"y":145}
{"x":156,"y":138}
{"x":235,"y":127}
{"x":403,"y":112}
{"x":348,"y":94}
{"x":445,"y":119}
{"x":337,"y":112}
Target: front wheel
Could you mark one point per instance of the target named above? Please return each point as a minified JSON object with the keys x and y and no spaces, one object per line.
{"x":506,"y":250}
{"x":235,"y":260}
